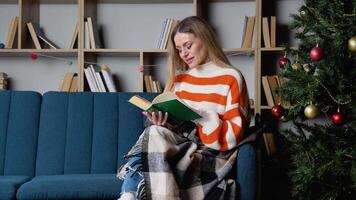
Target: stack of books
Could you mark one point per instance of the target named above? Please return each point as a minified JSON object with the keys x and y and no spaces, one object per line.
{"x":99,"y":78}
{"x":3,"y":81}
{"x":168,"y":26}
{"x":152,"y":85}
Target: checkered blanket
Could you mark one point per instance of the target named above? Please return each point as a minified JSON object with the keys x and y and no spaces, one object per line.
{"x":174,"y":167}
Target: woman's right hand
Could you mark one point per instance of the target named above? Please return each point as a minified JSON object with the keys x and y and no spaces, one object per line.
{"x":157,"y":118}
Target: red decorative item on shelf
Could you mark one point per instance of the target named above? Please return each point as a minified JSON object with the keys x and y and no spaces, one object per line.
{"x":316,"y":53}
{"x":337,"y":118}
{"x":277,"y":111}
{"x":283,"y":62}
{"x":34,"y":56}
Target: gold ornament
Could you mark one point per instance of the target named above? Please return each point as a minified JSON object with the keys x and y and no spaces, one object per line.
{"x":306,"y":67}
{"x":352,"y":44}
{"x":297,"y":66}
{"x":311,"y":111}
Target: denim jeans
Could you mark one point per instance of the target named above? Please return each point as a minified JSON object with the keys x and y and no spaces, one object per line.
{"x":246,"y":172}
{"x":133,"y":177}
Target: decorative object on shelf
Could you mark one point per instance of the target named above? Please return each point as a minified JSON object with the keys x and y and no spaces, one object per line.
{"x":337,"y":118}
{"x":311,"y":111}
{"x":284,"y":61}
{"x":34,"y":56}
{"x":277,"y":111}
{"x":3,"y":81}
{"x":316,"y":53}
{"x":2,"y":45}
{"x":352,"y":44}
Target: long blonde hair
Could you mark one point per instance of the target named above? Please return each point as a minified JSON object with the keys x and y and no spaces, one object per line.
{"x":202,"y":30}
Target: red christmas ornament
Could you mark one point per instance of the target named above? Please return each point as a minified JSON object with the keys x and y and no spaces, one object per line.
{"x":34,"y":56}
{"x":283,"y":62}
{"x":277,"y":111}
{"x":316,"y":53}
{"x":337,"y":118}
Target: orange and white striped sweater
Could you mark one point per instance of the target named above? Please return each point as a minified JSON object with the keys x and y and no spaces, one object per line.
{"x":220,"y":95}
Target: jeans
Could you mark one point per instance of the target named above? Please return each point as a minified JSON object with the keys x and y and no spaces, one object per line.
{"x":246,"y":172}
{"x":133,"y":177}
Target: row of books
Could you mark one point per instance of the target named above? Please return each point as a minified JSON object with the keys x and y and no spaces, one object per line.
{"x":70,"y":82}
{"x":151,"y":85}
{"x":3,"y":81}
{"x":270,"y":84}
{"x":99,"y":78}
{"x":168,"y":26}
{"x":39,"y":38}
{"x":269,"y":34}
{"x":91,"y":34}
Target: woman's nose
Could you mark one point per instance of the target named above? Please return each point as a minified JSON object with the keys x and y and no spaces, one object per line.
{"x":184,"y":53}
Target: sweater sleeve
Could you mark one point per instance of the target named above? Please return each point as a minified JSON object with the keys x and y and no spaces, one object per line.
{"x":224,"y":132}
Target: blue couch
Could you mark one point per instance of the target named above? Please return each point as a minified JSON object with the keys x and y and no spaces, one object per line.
{"x":67,"y":145}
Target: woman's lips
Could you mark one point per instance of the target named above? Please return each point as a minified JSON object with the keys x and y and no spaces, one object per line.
{"x":189,"y":61}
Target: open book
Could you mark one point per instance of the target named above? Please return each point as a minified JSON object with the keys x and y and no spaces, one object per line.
{"x":177,"y":110}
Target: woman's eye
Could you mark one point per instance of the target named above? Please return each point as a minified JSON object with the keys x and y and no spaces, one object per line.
{"x":189,"y":46}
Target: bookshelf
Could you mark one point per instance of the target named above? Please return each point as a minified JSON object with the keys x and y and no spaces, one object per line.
{"x":130,"y":30}
{"x":128,"y":44}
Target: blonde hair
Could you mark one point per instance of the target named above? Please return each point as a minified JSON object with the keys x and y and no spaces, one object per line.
{"x":202,"y":30}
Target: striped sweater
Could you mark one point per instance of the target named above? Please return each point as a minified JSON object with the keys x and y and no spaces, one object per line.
{"x":220,"y":95}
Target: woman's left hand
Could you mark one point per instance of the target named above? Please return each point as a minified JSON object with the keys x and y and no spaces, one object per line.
{"x":157,"y":118}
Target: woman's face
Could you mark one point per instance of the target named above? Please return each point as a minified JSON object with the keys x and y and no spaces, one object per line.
{"x":191,"y":49}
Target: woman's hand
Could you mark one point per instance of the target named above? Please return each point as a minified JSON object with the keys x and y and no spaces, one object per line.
{"x":157,"y":118}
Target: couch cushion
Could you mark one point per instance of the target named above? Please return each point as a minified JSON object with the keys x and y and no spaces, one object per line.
{"x":85,"y":132}
{"x":91,"y":186}
{"x":19,"y":121}
{"x":9,"y":185}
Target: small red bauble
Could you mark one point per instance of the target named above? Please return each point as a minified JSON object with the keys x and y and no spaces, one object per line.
{"x":316,"y":54}
{"x":277,"y":111}
{"x":34,"y":56}
{"x":337,"y":118}
{"x":283,"y":62}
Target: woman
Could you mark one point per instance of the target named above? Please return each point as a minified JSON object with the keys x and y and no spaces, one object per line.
{"x":170,"y":166}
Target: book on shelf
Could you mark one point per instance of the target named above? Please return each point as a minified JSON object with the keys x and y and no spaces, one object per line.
{"x":265,"y":32}
{"x":273,"y":31}
{"x":148,"y":86}
{"x":67,"y":81}
{"x":90,"y":79}
{"x":267,"y":91}
{"x":12,"y":32}
{"x":248,"y":32}
{"x":168,"y":26}
{"x":269,"y":143}
{"x":107,"y":75}
{"x":98,"y":76}
{"x":273,"y":84}
{"x":74,"y":84}
{"x":177,"y":110}
{"x":270,"y":85}
{"x":74,"y":41}
{"x":86,"y":35}
{"x":33,"y":34}
{"x":93,"y":34}
{"x":37,"y":34}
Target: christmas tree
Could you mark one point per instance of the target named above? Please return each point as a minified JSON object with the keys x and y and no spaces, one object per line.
{"x":321,"y":83}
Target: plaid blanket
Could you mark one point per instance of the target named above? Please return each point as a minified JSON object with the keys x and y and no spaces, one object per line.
{"x":175,"y":167}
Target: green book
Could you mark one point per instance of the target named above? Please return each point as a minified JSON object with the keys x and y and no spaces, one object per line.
{"x":168,"y":102}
